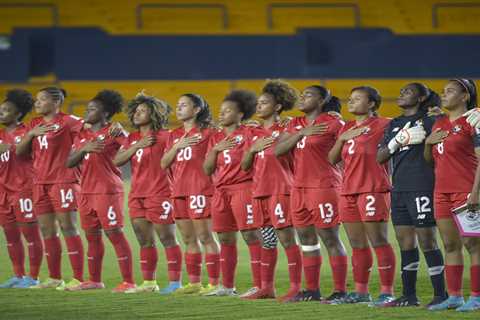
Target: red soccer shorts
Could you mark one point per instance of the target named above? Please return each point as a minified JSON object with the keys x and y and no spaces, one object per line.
{"x":101,"y":211}
{"x":232,"y":209}
{"x":275,"y":210}
{"x":364,"y":207}
{"x":192,"y":207}
{"x":16,"y":207}
{"x":312,"y":206}
{"x":55,"y":198}
{"x":157,"y":209}
{"x":444,"y":203}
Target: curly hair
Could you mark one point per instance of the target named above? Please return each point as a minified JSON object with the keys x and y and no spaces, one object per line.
{"x":159,"y":109}
{"x":22,"y":100}
{"x":111,"y":100}
{"x":57,"y":94}
{"x":282,"y":92}
{"x":245,"y":100}
{"x":204,"y":117}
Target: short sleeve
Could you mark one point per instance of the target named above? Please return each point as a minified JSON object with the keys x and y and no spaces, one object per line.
{"x":75,"y":125}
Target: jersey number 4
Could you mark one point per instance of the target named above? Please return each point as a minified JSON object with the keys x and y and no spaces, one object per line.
{"x":42,"y":141}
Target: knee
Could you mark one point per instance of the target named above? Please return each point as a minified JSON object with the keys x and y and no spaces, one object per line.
{"x":205,"y":238}
{"x":307,"y":238}
{"x":189,"y":239}
{"x":227,"y":238}
{"x":48,"y":231}
{"x":452,"y":246}
{"x":473,"y":246}
{"x":428,"y":244}
{"x":68,"y":229}
{"x":251,"y":237}
{"x":168,"y":240}
{"x":378,"y":240}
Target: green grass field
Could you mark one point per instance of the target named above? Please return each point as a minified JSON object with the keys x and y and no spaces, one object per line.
{"x":101,"y":304}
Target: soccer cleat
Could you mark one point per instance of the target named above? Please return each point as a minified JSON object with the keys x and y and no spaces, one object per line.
{"x":26,"y":283}
{"x":146,"y":286}
{"x":453,"y":302}
{"x":403,"y":301}
{"x":437,"y":300}
{"x":11,"y":282}
{"x":249,"y":292}
{"x":49,"y":284}
{"x":337,"y":295}
{"x":292,"y":292}
{"x":123,"y":287}
{"x":306,"y":295}
{"x":209,"y":288}
{"x":354,"y":297}
{"x":262,"y":294}
{"x":171,"y":288}
{"x":222,"y":292}
{"x":87,"y":285}
{"x":67,"y":286}
{"x":472,"y":304}
{"x":190,"y":288}
{"x":382,"y":299}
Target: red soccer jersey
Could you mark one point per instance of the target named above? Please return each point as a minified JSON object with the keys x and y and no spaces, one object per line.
{"x":272,"y":175}
{"x":148,"y":178}
{"x":16,"y":172}
{"x":51,"y":151}
{"x":455,"y":159}
{"x":98,"y":174}
{"x":228,"y":170}
{"x":311,"y":168}
{"x":362,"y":173}
{"x":188,"y":177}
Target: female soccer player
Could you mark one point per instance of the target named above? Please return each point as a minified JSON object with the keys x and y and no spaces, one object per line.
{"x":314,"y":193}
{"x":16,"y":206}
{"x":101,"y":190}
{"x":365,"y":195}
{"x":49,"y":139}
{"x":192,"y":190}
{"x":412,"y":194}
{"x":232,"y":199}
{"x":454,"y":148}
{"x":149,"y":201}
{"x":272,"y":182}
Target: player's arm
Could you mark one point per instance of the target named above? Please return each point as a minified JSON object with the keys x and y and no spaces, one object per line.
{"x":24,"y":146}
{"x":473,"y":200}
{"x":335,"y":154}
{"x":288,"y":141}
{"x":434,"y":138}
{"x":76,"y":156}
{"x":124,"y":155}
{"x":258,"y":146}
{"x":183,"y":142}
{"x":210,"y":163}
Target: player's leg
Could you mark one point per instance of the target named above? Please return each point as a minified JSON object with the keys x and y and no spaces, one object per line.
{"x":253,"y":239}
{"x":145,"y":234}
{"x":375,"y":210}
{"x":31,"y":233}
{"x":192,"y":255}
{"x":123,"y":252}
{"x":324,"y":204}
{"x":427,"y":240}
{"x":15,"y":251}
{"x":362,"y":261}
{"x":28,"y":224}
{"x":453,"y":248}
{"x":338,"y":260}
{"x":167,"y":236}
{"x":67,"y":222}
{"x":404,"y":227}
{"x":203,"y":230}
{"x":473,"y":248}
{"x":287,"y":237}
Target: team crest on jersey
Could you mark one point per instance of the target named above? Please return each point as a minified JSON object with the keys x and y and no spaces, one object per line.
{"x":17,"y":139}
{"x":83,"y":140}
{"x":101,"y":137}
{"x":457,"y":129}
{"x":55,"y":126}
{"x":198,"y":135}
{"x":395,"y":129}
{"x":419,"y":122}
{"x":298,"y":127}
{"x":275,"y":134}
{"x":238,"y":139}
{"x":366,"y":130}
